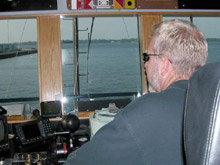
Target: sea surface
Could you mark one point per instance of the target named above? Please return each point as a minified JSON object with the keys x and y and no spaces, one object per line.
{"x":112,"y":68}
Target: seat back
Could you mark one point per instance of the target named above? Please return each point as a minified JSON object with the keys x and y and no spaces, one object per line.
{"x":202,"y":117}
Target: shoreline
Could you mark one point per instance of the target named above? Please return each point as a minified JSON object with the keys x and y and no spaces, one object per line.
{"x":6,"y":55}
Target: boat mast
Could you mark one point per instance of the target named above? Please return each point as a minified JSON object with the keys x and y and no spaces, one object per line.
{"x":76,"y":61}
{"x":89,"y":42}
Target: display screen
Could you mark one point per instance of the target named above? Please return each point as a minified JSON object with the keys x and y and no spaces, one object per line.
{"x":27,"y":5}
{"x":31,"y":131}
{"x":51,"y":109}
{"x":198,"y":4}
{"x":2,"y":130}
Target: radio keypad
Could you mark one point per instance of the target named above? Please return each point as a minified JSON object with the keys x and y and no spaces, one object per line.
{"x":47,"y":126}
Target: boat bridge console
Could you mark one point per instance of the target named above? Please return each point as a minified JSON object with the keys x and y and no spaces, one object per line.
{"x":48,"y":138}
{"x":39,"y":140}
{"x":42,"y":129}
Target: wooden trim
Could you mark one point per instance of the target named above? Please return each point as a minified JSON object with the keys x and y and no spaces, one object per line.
{"x":146,"y":23}
{"x":49,"y":58}
{"x":81,"y":115}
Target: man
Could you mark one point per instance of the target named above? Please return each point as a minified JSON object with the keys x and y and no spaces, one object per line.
{"x":149,"y":130}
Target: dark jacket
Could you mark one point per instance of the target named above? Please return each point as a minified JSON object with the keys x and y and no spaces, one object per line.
{"x":147,"y":131}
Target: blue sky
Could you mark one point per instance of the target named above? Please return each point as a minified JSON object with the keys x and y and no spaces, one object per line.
{"x":210,"y":26}
{"x":104,"y":28}
{"x":16,"y":30}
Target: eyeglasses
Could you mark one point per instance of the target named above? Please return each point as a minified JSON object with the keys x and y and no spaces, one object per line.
{"x":146,"y":56}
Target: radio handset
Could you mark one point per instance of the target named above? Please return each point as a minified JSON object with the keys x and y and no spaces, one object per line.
{"x":36,"y":113}
{"x":45,"y":122}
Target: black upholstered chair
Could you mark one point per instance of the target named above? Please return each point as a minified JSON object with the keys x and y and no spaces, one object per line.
{"x":202,"y":117}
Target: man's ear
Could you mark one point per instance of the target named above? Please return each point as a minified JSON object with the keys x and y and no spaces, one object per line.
{"x":165,"y":65}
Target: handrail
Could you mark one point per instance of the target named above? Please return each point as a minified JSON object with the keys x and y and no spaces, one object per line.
{"x":98,"y":95}
{"x":110,"y":12}
{"x":92,"y":95}
{"x":8,"y":100}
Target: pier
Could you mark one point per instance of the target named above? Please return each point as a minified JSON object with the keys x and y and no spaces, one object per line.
{"x":11,"y":54}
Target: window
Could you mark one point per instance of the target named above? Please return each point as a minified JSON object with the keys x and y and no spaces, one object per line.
{"x":18,"y":62}
{"x":108,"y":66}
{"x":210,"y":26}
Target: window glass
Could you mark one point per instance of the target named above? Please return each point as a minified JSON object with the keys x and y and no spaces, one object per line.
{"x":109,"y":67}
{"x":18,"y":62}
{"x":210,"y":26}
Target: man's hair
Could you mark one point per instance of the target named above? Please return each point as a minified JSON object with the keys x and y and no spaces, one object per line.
{"x":183,"y":43}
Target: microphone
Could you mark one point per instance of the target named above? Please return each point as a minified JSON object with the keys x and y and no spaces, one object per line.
{"x":36,"y":113}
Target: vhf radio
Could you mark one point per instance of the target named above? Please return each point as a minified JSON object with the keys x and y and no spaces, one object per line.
{"x":33,"y":131}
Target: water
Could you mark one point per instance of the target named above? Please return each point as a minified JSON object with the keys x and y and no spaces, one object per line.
{"x":113,"y":67}
{"x":214,"y":51}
